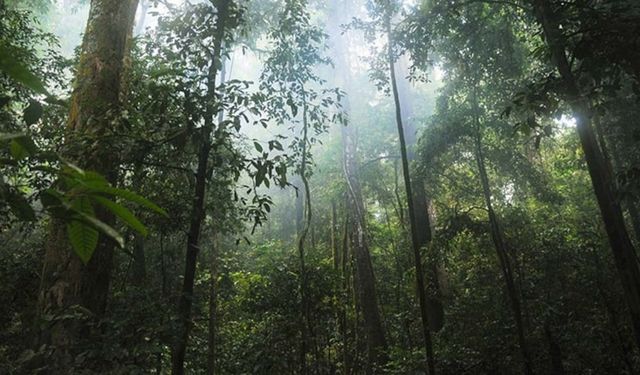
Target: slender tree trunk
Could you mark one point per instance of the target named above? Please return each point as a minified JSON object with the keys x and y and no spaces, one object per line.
{"x":396,"y":191}
{"x":199,"y":201}
{"x":306,"y":326}
{"x":96,"y":99}
{"x":498,"y":241}
{"x":415,"y":236}
{"x":623,"y":250}
{"x":420,"y":203}
{"x":344,"y":262}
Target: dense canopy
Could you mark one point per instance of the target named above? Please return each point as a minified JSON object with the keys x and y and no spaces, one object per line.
{"x":319,"y":187}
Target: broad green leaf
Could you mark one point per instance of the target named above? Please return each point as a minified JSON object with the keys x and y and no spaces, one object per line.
{"x":97,"y":183}
{"x":103,"y":227}
{"x":84,"y":227}
{"x":134,"y":198}
{"x":123,"y":213}
{"x":83,"y":238}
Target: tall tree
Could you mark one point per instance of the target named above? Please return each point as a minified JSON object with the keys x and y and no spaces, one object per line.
{"x":413,"y":224}
{"x":198,"y":209}
{"x":420,"y":200}
{"x":91,"y":139}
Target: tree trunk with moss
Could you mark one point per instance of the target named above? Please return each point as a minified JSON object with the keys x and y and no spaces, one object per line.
{"x":92,"y":133}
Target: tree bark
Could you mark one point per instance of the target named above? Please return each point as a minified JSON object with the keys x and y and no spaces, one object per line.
{"x":415,"y":236}
{"x":199,"y":201}
{"x":623,"y":250}
{"x":95,"y":102}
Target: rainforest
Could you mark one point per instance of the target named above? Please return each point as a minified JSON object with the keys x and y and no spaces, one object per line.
{"x":316,"y":187}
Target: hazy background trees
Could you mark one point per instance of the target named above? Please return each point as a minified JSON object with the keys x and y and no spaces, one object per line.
{"x":221,"y":187}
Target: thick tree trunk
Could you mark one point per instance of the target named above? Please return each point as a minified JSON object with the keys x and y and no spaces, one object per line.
{"x":199,"y":201}
{"x":623,"y":250}
{"x":96,"y":99}
{"x":499,"y":243}
{"x":415,"y":235}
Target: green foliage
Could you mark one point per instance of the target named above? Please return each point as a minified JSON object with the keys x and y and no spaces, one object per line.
{"x":18,"y":72}
{"x":73,"y":197}
{"x":465,"y":61}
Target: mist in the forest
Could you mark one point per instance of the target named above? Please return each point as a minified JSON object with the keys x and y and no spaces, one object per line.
{"x":319,"y":187}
